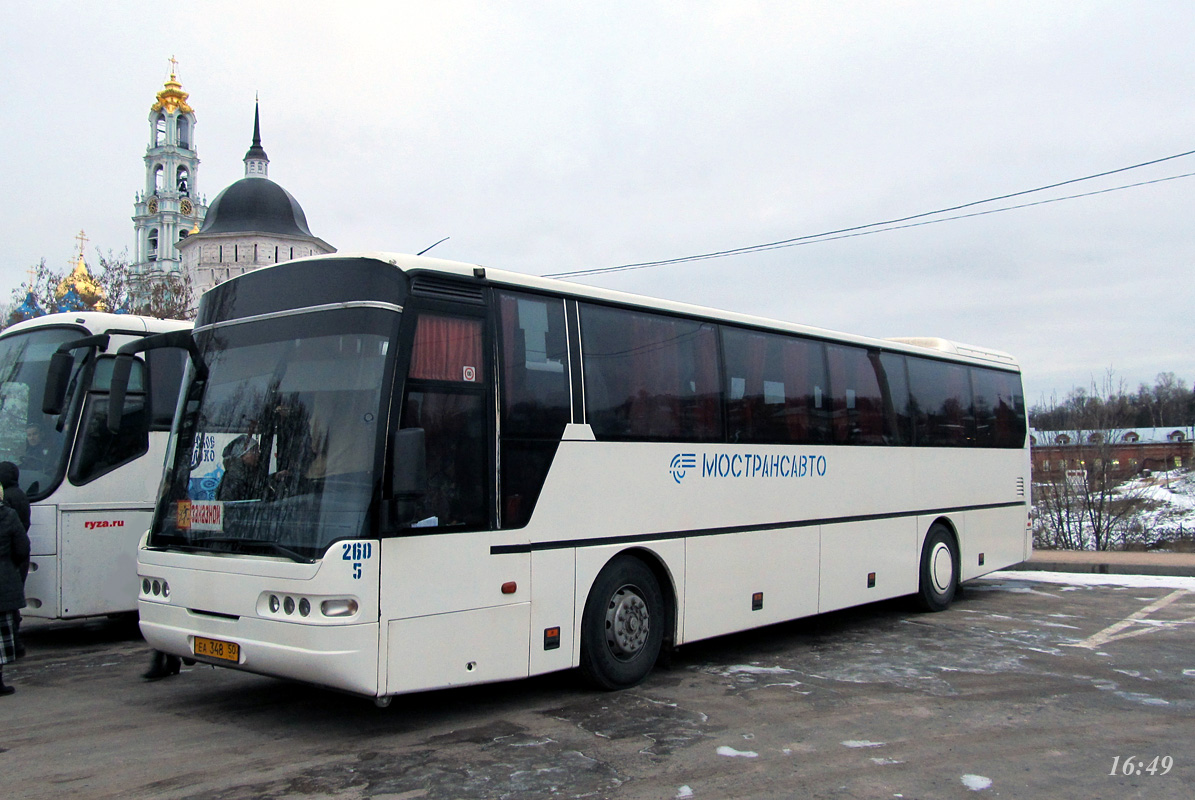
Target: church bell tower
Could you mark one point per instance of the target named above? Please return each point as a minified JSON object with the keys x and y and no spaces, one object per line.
{"x":169,"y":208}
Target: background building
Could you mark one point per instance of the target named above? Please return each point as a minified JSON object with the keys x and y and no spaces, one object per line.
{"x":1127,"y":451}
{"x":252,"y":223}
{"x":169,"y":207}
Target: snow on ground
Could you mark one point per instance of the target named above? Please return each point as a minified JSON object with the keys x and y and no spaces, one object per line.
{"x":1085,"y":579}
{"x":1167,"y":517}
{"x":1171,"y":508}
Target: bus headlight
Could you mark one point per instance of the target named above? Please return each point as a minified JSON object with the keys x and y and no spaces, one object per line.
{"x":338,"y":607}
{"x":293,"y":608}
{"x":155,"y":590}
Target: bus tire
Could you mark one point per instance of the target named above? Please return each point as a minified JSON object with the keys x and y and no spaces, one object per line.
{"x":939,"y":569}
{"x":622,"y":629}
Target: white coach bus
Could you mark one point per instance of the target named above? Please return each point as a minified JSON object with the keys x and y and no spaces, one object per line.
{"x":434,"y":474}
{"x":91,"y":491}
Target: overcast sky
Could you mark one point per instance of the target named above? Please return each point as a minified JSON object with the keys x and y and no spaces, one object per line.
{"x":553,"y":136}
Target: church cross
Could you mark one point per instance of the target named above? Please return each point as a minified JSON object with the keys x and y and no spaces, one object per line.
{"x":82,"y":239}
{"x":173,"y":65}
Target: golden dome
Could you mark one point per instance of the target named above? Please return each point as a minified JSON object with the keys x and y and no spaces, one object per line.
{"x":87,"y":287}
{"x":172,"y":98}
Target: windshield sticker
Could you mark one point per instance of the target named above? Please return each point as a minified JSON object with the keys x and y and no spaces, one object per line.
{"x":201,"y":515}
{"x":207,"y":468}
{"x":470,"y":374}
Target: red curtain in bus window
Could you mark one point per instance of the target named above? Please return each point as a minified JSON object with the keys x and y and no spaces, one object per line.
{"x":447,"y":349}
{"x":655,"y":378}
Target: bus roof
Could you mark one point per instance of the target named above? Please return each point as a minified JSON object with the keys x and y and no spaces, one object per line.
{"x":913,"y":345}
{"x":99,"y":322}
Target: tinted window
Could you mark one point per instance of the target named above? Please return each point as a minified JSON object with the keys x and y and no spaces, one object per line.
{"x":535,"y":385}
{"x":776,"y":388}
{"x":454,"y":429}
{"x":894,"y":376}
{"x":165,"y":380}
{"x":999,"y":408}
{"x":28,"y":438}
{"x":286,"y":430}
{"x":99,"y":450}
{"x":535,"y":398}
{"x":649,"y":376}
{"x":941,"y":403}
{"x":858,"y":403}
{"x":446,"y":398}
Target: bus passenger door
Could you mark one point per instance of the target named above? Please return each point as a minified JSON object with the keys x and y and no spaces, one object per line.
{"x":456,"y":614}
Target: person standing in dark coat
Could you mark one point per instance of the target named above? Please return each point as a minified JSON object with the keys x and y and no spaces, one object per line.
{"x":15,"y":498}
{"x":14,"y":495}
{"x":14,"y":550}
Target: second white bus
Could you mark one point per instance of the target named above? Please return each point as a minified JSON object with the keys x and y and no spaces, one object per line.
{"x":434,"y":474}
{"x":91,"y":491}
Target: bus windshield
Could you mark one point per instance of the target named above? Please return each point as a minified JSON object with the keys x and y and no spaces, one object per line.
{"x":278,"y":448}
{"x":29,"y":438}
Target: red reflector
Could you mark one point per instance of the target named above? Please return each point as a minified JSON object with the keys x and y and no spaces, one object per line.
{"x":510,"y":587}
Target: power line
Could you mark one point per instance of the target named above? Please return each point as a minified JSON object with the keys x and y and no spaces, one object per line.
{"x":892,"y":224}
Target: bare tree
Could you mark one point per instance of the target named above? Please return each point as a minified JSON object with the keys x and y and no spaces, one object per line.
{"x":1085,"y":502}
{"x":42,"y":283}
{"x":170,"y":296}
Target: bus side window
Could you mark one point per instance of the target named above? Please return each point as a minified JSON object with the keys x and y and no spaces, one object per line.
{"x":999,"y":408}
{"x":894,"y":380}
{"x":650,"y":376}
{"x":776,"y":388}
{"x":941,"y":400}
{"x":535,"y":398}
{"x":101,"y":451}
{"x":445,"y":396}
{"x":858,"y":404}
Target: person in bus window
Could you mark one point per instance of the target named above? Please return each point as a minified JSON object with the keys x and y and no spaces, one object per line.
{"x":37,"y":450}
{"x":14,"y":551}
{"x":240,"y":480}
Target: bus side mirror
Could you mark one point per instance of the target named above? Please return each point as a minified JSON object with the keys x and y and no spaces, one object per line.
{"x":121,"y":370}
{"x":57,"y":380}
{"x":409,"y":478}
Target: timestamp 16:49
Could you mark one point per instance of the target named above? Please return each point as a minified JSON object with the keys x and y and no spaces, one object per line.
{"x":1160,"y":765}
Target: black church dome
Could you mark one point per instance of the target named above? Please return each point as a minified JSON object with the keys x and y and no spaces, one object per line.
{"x":255,"y":205}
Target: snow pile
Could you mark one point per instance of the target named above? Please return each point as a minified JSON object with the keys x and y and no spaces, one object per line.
{"x":1169,"y":512}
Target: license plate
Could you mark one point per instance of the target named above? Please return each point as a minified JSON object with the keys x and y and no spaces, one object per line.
{"x":215,"y":648}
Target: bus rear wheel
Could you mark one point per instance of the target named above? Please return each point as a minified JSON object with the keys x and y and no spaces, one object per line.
{"x":622,"y":629}
{"x":939,"y":569}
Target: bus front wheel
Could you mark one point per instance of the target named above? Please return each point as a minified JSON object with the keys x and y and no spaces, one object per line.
{"x":622,"y":629}
{"x":939,"y":569}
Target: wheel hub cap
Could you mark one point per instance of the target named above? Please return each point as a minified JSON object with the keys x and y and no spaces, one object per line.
{"x":942,"y":567}
{"x":627,"y":623}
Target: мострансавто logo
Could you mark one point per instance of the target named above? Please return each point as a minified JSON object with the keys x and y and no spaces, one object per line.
{"x":748,"y":465}
{"x":681,"y":464}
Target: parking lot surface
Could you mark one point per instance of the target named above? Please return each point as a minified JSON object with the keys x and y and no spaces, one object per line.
{"x":1023,"y":688}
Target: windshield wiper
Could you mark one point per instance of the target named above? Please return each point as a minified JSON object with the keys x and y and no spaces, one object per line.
{"x":248,"y":543}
